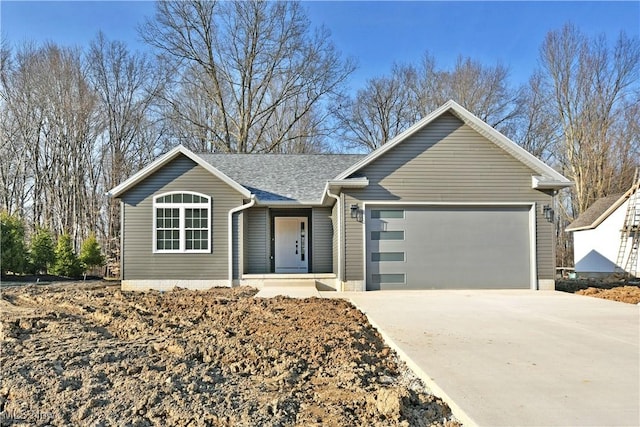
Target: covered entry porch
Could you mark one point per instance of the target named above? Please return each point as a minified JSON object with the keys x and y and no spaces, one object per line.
{"x":284,"y":245}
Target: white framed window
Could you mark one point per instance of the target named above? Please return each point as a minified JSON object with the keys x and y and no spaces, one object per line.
{"x":182,"y":223}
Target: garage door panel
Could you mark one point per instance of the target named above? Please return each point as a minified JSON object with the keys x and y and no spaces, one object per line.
{"x":454,"y":247}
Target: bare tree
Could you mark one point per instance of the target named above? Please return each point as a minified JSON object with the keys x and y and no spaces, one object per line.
{"x":380,"y":111}
{"x":128,"y":86}
{"x":483,"y":90}
{"x":248,"y":61}
{"x":593,"y":91}
{"x":390,"y":104}
{"x":49,"y":112}
{"x":534,"y":126}
{"x":19,"y":119}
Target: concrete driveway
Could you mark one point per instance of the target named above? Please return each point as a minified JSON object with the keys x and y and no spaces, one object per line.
{"x":518,"y":358}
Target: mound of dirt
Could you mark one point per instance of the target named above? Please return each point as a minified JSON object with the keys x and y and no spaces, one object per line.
{"x":612,"y":289}
{"x":628,"y":294}
{"x":93,"y":355}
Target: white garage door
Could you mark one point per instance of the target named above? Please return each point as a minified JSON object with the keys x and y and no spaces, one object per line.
{"x":448,"y":247}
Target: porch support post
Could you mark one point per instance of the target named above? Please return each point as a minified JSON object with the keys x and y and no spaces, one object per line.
{"x":230,"y":237}
{"x":339,"y":226}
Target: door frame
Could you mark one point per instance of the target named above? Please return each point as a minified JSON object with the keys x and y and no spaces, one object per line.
{"x":302,"y":213}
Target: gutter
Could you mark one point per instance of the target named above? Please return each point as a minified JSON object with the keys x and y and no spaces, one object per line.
{"x":339,"y":216}
{"x":230,"y":236}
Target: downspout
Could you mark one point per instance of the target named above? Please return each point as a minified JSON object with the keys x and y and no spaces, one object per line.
{"x":339,"y":216}
{"x":230,"y":237}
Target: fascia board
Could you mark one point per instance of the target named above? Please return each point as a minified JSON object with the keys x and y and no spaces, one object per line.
{"x":614,"y":207}
{"x":144,"y":172}
{"x":540,"y":183}
{"x":296,"y":203}
{"x":338,"y":185}
{"x":493,"y":135}
{"x":511,"y":147}
{"x":217,"y":173}
{"x":166,"y":158}
{"x":394,"y":141}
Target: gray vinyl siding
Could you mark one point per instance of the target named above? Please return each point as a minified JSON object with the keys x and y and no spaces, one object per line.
{"x":138,"y":259}
{"x":447,"y":161}
{"x":322,"y":240}
{"x":256,"y":241}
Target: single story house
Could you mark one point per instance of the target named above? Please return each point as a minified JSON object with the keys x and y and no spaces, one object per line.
{"x":450,"y":203}
{"x":597,"y":236}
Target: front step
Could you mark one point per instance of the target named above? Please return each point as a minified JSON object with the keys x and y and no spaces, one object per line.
{"x":276,"y":283}
{"x":292,"y":288}
{"x":322,"y":281}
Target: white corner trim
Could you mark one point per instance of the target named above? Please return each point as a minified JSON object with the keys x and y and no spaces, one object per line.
{"x":533,"y":247}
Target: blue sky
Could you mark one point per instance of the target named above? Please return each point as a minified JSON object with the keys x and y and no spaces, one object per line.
{"x":377,"y":34}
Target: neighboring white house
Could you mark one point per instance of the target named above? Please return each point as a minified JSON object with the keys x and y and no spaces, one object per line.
{"x":597,"y":235}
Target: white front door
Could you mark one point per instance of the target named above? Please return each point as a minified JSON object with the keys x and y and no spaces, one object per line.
{"x":291,"y":246}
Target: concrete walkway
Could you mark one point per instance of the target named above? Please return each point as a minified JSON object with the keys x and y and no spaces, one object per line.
{"x":517,"y":358}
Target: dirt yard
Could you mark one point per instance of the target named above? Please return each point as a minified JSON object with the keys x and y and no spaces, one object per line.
{"x":616,"y":290}
{"x":78,"y":354}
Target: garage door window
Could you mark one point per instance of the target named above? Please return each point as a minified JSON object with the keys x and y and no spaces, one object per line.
{"x":387,"y":256}
{"x":388,"y":278}
{"x":387,"y":214}
{"x":387,"y":235}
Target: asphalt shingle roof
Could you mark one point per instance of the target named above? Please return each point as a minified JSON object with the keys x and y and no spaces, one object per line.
{"x":282,"y":176}
{"x":593,"y":212}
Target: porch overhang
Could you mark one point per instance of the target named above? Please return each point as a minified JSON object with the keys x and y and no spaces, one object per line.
{"x":335,"y":186}
{"x":548,"y":183}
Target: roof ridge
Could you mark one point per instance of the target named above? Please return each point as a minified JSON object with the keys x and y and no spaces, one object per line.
{"x":280,"y":154}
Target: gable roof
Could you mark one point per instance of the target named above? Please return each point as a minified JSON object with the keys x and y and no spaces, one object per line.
{"x":283,"y":177}
{"x":166,"y":158}
{"x":595,"y":214}
{"x":548,"y":179}
{"x":600,"y":210}
{"x":270,"y":177}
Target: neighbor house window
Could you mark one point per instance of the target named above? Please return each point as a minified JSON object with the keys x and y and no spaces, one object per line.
{"x":182,"y":223}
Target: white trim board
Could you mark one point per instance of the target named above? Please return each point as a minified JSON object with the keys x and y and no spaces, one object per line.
{"x":166,"y":158}
{"x":553,"y":179}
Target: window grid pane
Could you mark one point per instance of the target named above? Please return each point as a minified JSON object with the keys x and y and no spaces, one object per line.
{"x":196,"y":229}
{"x":387,"y":213}
{"x":167,"y":229}
{"x":387,"y":256}
{"x":387,"y":235}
